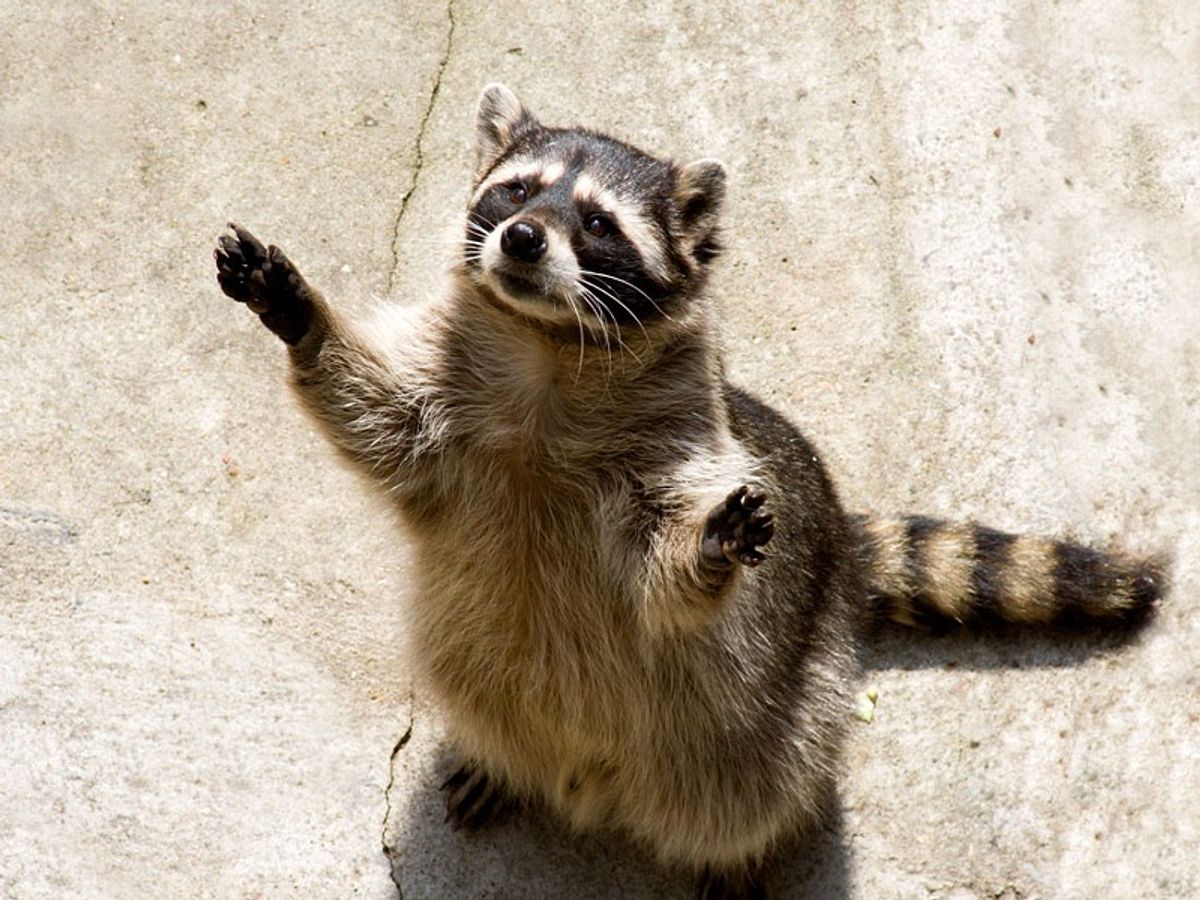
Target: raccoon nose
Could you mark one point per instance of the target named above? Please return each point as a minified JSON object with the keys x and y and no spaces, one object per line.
{"x":524,"y":241}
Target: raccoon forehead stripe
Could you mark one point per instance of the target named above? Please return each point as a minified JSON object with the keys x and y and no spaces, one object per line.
{"x":517,"y":169}
{"x":521,"y":170}
{"x":641,"y":231}
{"x":551,"y":173}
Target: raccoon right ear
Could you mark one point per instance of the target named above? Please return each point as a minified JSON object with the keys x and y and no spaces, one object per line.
{"x":501,"y":119}
{"x":699,"y":191}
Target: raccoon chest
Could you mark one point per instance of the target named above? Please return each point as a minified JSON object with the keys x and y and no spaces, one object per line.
{"x":522,"y":613}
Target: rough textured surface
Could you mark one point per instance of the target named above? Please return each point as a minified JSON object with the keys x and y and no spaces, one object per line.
{"x":964,"y":255}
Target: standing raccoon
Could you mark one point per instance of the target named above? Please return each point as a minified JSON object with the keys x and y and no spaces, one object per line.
{"x":638,"y":596}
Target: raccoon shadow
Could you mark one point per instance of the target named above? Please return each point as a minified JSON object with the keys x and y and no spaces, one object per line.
{"x":529,"y":853}
{"x":995,"y":646}
{"x":818,"y":865}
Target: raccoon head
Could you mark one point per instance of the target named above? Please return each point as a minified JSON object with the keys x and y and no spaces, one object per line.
{"x":566,"y":225}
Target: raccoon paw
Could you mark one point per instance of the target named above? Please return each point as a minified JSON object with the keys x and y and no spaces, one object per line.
{"x":266,"y":281}
{"x":473,"y":798}
{"x":721,"y":886}
{"x":737,"y":529}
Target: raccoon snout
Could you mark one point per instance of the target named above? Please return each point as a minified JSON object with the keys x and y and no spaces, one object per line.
{"x":524,"y":241}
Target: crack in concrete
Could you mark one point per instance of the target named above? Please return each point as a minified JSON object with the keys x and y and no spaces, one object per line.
{"x":401,"y":743}
{"x":420,"y":147}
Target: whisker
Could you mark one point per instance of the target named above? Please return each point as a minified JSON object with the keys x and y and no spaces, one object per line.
{"x":596,"y":308}
{"x":617,"y":326}
{"x":617,"y":300}
{"x":482,"y":223}
{"x":630,"y":284}
{"x":579,"y":321}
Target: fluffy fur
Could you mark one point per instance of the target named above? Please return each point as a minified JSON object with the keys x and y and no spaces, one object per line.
{"x":638,"y":596}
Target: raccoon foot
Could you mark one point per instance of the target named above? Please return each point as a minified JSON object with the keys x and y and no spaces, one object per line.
{"x":724,"y":886}
{"x":473,"y":798}
{"x":266,"y":281}
{"x":737,"y":529}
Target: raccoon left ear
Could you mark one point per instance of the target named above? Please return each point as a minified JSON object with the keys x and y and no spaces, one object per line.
{"x":699,"y":191}
{"x":501,"y":119}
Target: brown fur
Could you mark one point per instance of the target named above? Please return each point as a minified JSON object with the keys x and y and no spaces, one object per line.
{"x":559,"y":486}
{"x":560,"y":614}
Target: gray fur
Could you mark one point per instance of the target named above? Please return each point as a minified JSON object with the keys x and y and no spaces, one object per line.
{"x":599,"y":637}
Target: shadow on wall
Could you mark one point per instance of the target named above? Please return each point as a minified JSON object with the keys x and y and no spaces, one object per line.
{"x":996,"y":647}
{"x":530,"y":854}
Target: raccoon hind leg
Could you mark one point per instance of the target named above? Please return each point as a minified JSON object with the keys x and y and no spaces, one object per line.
{"x":474,"y":798}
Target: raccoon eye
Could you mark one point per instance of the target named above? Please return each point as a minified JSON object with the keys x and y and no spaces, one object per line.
{"x":598,"y":225}
{"x":517,"y":193}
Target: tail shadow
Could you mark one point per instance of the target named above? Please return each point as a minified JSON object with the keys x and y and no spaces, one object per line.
{"x":996,"y":645}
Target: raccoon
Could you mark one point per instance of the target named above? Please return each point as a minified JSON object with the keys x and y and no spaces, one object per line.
{"x":638,"y":597}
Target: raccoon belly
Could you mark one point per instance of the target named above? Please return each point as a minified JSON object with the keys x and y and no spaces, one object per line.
{"x":526,"y":693}
{"x":540,"y":756}
{"x":725,"y":768}
{"x":696,"y":810}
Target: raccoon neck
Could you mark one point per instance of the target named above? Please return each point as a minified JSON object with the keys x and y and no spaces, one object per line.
{"x":650,"y":381}
{"x":576,"y":351}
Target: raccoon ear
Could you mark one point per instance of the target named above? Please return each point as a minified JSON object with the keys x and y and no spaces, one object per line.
{"x":501,"y":119}
{"x":699,"y":190}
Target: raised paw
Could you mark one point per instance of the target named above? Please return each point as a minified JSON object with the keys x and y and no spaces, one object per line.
{"x":473,"y":798}
{"x":266,"y":281}
{"x":738,"y":529}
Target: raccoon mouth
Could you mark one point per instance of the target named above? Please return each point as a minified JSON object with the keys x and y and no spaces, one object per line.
{"x":518,"y":286}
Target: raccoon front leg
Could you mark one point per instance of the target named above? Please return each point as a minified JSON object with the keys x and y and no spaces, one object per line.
{"x":351,"y":387}
{"x":697,"y":555}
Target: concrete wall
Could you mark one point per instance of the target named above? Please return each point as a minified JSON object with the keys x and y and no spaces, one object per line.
{"x":964,"y":255}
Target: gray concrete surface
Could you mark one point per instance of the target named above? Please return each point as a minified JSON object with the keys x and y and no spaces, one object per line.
{"x":964,"y":255}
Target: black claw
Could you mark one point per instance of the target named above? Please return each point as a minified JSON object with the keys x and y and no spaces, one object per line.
{"x":458,"y":777}
{"x":249,"y":242}
{"x":474,"y":798}
{"x":753,"y":499}
{"x":478,"y":812}
{"x":737,"y":528}
{"x":465,"y":798}
{"x":266,"y":281}
{"x":230,"y":246}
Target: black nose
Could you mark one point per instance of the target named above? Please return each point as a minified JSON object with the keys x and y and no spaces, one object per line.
{"x":524,"y":241}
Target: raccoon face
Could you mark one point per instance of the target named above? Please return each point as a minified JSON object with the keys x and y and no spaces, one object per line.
{"x":569,"y":226}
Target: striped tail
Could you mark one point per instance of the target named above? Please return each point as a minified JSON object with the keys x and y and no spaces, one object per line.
{"x":933,"y":573}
